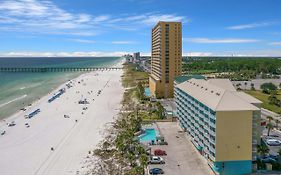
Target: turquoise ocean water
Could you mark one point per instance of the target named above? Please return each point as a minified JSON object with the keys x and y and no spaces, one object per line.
{"x":17,"y":90}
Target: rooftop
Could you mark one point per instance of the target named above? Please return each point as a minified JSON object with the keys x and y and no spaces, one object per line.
{"x":219,"y":95}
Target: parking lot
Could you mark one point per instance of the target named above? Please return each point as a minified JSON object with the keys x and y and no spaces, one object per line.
{"x":182,"y":158}
{"x":276,"y":135}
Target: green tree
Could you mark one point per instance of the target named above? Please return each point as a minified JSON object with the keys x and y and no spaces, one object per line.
{"x":106,"y":145}
{"x":160,"y":110}
{"x":270,"y":118}
{"x":267,"y":87}
{"x":253,"y":86}
{"x":143,"y":161}
{"x":131,"y":158}
{"x":245,"y":83}
{"x":262,"y":150}
{"x":269,"y":128}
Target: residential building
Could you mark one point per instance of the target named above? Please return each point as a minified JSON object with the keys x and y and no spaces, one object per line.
{"x":166,"y":58}
{"x":136,"y":57}
{"x":223,"y":124}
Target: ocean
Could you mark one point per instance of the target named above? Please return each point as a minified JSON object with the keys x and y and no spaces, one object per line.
{"x":17,"y":90}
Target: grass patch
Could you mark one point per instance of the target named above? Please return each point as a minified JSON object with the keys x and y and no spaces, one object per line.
{"x":149,"y":116}
{"x":264,"y":98}
{"x":132,"y":76}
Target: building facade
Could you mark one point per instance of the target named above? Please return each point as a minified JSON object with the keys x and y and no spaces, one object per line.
{"x":166,"y":58}
{"x":221,"y":122}
{"x":136,"y":57}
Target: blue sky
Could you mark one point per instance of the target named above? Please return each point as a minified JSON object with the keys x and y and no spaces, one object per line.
{"x":114,"y":27}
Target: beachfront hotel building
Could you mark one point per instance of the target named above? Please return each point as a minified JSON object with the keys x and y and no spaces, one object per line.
{"x":166,"y":58}
{"x":222,"y":123}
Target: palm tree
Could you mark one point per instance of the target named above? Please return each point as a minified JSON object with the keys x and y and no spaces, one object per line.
{"x":106,"y":145}
{"x":262,"y":150}
{"x":130,"y":158}
{"x":269,"y":128}
{"x":245,"y":84}
{"x":269,"y":118}
{"x":143,"y":162}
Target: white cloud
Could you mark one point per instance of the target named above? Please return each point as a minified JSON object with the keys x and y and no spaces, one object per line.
{"x":83,"y":41}
{"x":219,"y":41}
{"x":37,"y":16}
{"x":275,"y":43}
{"x":41,"y":16}
{"x":249,"y":26}
{"x":62,"y":54}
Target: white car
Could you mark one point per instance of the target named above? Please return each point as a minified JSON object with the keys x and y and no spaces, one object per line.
{"x":273,"y":142}
{"x":156,"y":160}
{"x":2,"y":132}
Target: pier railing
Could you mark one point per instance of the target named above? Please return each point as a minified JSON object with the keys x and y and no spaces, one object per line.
{"x":57,"y":69}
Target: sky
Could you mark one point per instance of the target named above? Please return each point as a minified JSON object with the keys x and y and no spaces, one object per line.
{"x":116,"y":27}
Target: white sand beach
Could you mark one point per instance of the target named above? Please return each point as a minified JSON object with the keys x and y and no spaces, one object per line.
{"x":63,"y":125}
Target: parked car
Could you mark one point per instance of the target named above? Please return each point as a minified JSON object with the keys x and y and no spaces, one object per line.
{"x":159,"y":152}
{"x":274,"y":156}
{"x":273,"y":142}
{"x":268,"y":160}
{"x":11,"y":124}
{"x":156,"y":171}
{"x":156,"y":160}
{"x":3,"y":132}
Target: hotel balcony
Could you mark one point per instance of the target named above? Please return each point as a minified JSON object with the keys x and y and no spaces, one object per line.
{"x":206,"y":134}
{"x":212,"y":124}
{"x":212,"y":132}
{"x":201,"y":129}
{"x":211,"y":116}
{"x":254,"y":150}
{"x":254,"y":142}
{"x":212,"y":141}
{"x":212,"y":157}
{"x":211,"y":149}
{"x":196,"y":125}
{"x":206,"y":142}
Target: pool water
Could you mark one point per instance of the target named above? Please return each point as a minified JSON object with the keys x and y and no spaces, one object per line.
{"x":147,"y":92}
{"x":149,"y":135}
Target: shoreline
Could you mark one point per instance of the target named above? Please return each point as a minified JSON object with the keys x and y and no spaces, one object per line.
{"x":36,"y":101}
{"x":14,"y":105}
{"x":50,"y":129}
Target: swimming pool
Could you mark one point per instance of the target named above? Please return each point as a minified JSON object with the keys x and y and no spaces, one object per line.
{"x":147,"y":92}
{"x":149,"y":135}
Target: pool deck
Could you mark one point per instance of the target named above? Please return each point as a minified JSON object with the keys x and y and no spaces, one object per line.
{"x":150,"y":126}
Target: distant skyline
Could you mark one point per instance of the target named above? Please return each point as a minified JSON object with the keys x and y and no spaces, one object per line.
{"x":116,"y":27}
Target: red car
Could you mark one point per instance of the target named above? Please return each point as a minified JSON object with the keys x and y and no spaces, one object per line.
{"x":159,"y":152}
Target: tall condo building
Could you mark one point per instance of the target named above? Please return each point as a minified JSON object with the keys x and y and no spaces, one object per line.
{"x":166,"y":58}
{"x":222,"y":123}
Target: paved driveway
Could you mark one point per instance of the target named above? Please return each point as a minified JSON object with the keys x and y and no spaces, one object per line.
{"x":182,"y":157}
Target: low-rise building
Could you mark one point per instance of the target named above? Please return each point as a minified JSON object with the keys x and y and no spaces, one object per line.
{"x":222,"y":123}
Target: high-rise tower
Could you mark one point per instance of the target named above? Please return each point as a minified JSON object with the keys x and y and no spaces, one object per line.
{"x":166,"y":58}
